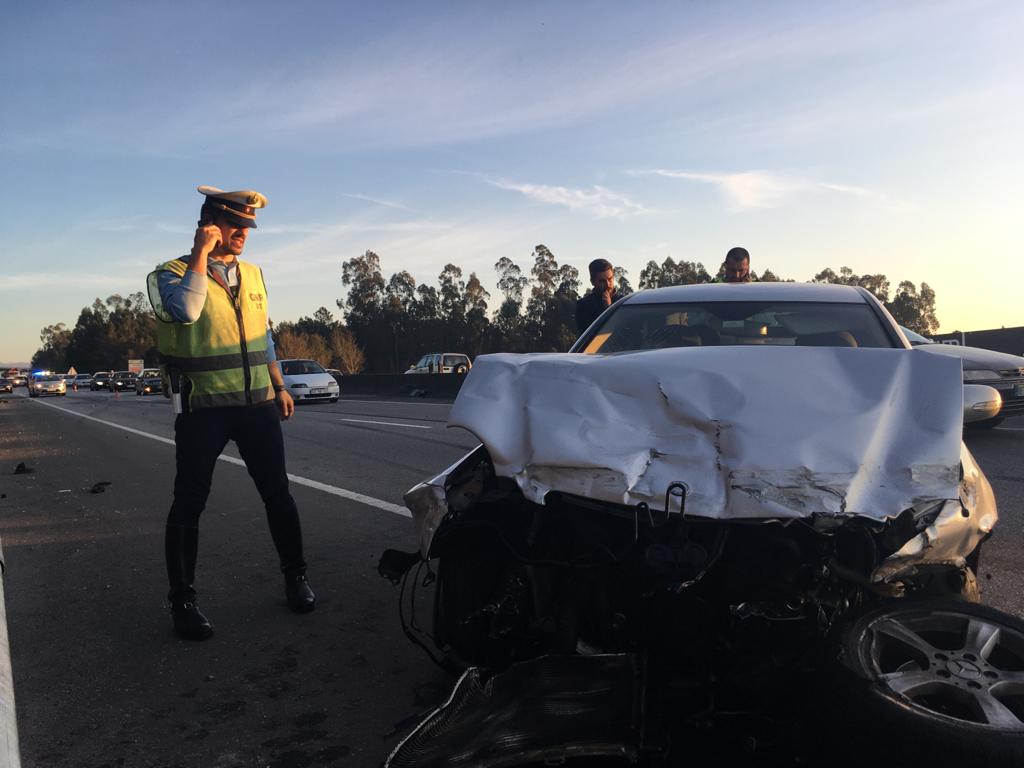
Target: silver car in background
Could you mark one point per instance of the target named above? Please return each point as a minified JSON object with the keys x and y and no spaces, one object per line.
{"x":1003,"y":372}
{"x":47,"y":384}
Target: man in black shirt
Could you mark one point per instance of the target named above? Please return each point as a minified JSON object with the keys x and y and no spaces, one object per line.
{"x":603,"y":295}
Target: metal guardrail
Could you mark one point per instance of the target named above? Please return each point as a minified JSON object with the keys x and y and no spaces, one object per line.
{"x":443,"y":385}
{"x":10,"y":755}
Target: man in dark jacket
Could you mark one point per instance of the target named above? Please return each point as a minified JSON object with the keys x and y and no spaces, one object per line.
{"x":602,"y":296}
{"x":736,"y":267}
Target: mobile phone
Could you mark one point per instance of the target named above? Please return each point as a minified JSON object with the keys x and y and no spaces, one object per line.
{"x":206,"y":223}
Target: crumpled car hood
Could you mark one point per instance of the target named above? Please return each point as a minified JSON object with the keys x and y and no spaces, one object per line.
{"x":751,"y":432}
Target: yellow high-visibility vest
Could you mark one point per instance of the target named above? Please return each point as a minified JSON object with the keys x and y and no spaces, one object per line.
{"x":223,"y":354}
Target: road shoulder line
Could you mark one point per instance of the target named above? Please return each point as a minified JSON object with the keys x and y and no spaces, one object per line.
{"x":344,"y":493}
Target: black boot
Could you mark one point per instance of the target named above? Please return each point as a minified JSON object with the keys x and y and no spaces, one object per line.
{"x":181,"y":548}
{"x":300,"y":597}
{"x":189,"y":622}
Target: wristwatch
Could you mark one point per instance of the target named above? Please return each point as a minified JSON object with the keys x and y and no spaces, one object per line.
{"x":278,"y":387}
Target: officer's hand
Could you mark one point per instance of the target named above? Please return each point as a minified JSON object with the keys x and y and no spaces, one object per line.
{"x":207,"y":238}
{"x":285,"y":405}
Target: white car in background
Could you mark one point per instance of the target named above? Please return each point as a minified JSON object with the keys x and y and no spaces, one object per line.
{"x":46,"y":384}
{"x":307,"y":380}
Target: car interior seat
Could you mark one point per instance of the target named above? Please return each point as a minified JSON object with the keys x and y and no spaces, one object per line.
{"x":669,"y":336}
{"x":708,"y":336}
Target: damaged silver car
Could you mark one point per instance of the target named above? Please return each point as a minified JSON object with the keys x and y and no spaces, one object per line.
{"x":735,"y":524}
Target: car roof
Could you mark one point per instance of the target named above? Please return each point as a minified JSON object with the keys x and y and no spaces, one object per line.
{"x":827,"y":292}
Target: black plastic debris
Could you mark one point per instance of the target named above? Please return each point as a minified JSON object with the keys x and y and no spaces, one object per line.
{"x":21,"y":469}
{"x":545,"y":711}
{"x":394,"y":564}
{"x":100,"y":487}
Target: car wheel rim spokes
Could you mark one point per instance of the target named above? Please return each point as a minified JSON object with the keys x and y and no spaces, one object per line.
{"x":981,"y":638}
{"x":967,"y":668}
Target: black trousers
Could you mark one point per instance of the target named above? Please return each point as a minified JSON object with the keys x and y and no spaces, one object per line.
{"x":199,"y":438}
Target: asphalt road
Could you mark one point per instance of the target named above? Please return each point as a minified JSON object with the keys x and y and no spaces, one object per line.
{"x":100,"y":678}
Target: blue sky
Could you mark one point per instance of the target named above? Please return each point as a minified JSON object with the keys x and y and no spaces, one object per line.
{"x":881,"y":136}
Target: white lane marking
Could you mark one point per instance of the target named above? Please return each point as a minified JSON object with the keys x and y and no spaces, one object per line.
{"x":344,"y":493}
{"x":388,"y":423}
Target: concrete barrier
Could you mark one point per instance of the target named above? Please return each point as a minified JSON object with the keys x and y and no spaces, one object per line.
{"x":10,"y":754}
{"x":439,"y":385}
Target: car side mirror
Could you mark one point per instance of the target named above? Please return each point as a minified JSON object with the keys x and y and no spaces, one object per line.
{"x":981,"y":402}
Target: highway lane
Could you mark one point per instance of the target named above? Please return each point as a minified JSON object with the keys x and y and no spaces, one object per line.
{"x":344,"y":444}
{"x":101,"y":680}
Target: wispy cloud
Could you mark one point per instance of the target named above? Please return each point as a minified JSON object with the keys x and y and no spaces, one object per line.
{"x":322,"y":243}
{"x":597,"y":201}
{"x":757,"y":189}
{"x":376,"y":201}
{"x":422,"y":248}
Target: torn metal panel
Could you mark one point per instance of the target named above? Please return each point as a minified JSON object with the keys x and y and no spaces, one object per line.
{"x":957,"y":530}
{"x":428,"y":503}
{"x":765,"y":432}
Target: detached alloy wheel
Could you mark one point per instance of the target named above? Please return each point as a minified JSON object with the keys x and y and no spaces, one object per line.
{"x":942,"y":679}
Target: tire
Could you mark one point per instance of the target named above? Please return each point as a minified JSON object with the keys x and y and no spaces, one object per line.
{"x":461,"y":369}
{"x":921,"y":682}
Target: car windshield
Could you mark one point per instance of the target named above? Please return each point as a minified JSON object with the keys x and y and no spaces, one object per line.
{"x":915,"y":338}
{"x":300,"y":367}
{"x":634,"y":327}
{"x":455,"y":360}
{"x":48,"y":378}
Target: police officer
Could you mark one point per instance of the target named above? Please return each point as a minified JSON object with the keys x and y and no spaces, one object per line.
{"x":212,"y":332}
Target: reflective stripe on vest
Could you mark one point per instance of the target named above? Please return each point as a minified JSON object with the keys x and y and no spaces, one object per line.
{"x":223,"y":354}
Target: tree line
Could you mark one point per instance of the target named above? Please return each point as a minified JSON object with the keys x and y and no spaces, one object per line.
{"x":389,"y":323}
